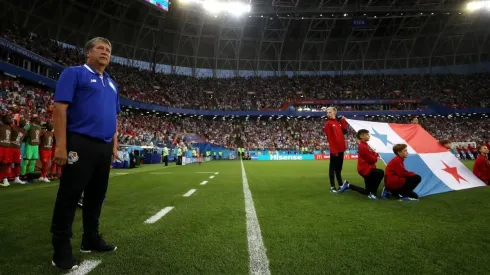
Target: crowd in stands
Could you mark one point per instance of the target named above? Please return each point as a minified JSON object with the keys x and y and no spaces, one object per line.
{"x":148,"y":128}
{"x":26,"y":100}
{"x":296,"y":133}
{"x":252,"y":93}
{"x":473,"y":128}
{"x":456,"y":91}
{"x":363,"y":107}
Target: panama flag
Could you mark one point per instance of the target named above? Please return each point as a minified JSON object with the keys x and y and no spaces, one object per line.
{"x":440,"y":170}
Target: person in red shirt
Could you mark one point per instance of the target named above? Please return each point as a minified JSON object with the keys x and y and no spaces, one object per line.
{"x":397,"y":179}
{"x":481,"y":169}
{"x":55,"y":169}
{"x":334,"y":130}
{"x":366,"y":167}
{"x":47,"y":137}
{"x":458,"y":149}
{"x":5,"y":132}
{"x":16,"y":139}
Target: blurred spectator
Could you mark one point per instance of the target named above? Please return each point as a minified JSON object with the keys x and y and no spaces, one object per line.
{"x":454,"y":91}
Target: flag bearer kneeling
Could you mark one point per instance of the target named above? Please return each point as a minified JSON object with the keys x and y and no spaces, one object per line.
{"x":398,"y":180}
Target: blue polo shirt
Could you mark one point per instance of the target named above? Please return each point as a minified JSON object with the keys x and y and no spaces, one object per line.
{"x":93,"y":99}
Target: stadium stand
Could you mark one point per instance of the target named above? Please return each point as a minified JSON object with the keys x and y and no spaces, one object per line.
{"x":146,"y":128}
{"x":255,"y":93}
{"x":196,"y":82}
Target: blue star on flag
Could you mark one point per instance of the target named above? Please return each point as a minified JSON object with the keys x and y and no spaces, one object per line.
{"x":382,"y":137}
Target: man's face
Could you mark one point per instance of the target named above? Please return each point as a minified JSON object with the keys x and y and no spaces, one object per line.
{"x":415,"y":121}
{"x":484,"y":150}
{"x":100,"y":53}
{"x":331,"y":114}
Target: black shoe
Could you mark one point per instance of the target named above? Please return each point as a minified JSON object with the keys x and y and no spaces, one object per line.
{"x":63,"y":256}
{"x":96,"y":244}
{"x":66,"y":264}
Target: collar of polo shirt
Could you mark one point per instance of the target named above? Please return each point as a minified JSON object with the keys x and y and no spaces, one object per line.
{"x":92,"y":70}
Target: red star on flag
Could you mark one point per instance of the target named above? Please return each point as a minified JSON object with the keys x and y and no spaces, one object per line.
{"x":454,"y":172}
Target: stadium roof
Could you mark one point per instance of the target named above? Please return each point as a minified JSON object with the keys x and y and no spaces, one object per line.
{"x":278,"y":35}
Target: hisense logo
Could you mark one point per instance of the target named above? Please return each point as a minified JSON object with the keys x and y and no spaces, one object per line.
{"x":276,"y":157}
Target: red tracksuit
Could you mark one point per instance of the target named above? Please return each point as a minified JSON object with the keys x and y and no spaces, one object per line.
{"x":481,"y":169}
{"x":367,"y":159}
{"x":396,"y":174}
{"x":334,"y":130}
{"x":54,"y":167}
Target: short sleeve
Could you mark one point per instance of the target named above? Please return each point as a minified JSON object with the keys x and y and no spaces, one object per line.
{"x":65,"y":88}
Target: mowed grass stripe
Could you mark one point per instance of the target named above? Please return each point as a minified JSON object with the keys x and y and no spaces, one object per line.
{"x":15,"y":187}
{"x":308,"y":230}
{"x":25,"y":219}
{"x":204,"y":234}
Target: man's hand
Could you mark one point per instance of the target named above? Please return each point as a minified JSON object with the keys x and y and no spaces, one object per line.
{"x":60,"y":155}
{"x":115,"y":154}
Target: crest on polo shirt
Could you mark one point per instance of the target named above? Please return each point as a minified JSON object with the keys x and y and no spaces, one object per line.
{"x":112,"y":86}
{"x":72,"y":157}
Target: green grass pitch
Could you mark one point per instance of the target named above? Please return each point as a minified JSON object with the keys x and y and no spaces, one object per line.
{"x":305,"y":229}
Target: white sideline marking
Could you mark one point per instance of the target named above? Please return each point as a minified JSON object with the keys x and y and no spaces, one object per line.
{"x":189,"y":193}
{"x":111,"y":175}
{"x":206,"y":172}
{"x":204,"y":182}
{"x":216,"y":173}
{"x":85,"y":267}
{"x":159,"y":215}
{"x":139,"y":170}
{"x":160,"y":173}
{"x":259,"y":263}
{"x":211,"y":177}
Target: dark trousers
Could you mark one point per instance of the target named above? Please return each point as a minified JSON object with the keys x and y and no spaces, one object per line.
{"x":165,"y":159}
{"x":371,"y":181}
{"x":407,"y":189}
{"x":335,"y":168}
{"x":87,"y":171}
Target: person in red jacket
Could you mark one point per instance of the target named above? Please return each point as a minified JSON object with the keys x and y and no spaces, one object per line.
{"x":397,"y":179}
{"x":481,"y":169}
{"x":335,"y":130}
{"x":366,"y":167}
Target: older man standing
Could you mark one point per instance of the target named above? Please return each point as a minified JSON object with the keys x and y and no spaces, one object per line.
{"x":85,"y":121}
